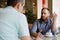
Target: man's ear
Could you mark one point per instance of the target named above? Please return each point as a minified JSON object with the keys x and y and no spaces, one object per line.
{"x":49,"y":13}
{"x":19,"y":5}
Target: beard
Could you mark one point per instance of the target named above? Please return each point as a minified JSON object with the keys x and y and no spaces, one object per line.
{"x":44,"y":18}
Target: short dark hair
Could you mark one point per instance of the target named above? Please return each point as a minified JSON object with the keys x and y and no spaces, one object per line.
{"x":14,"y":2}
{"x":43,"y":9}
{"x":46,"y":9}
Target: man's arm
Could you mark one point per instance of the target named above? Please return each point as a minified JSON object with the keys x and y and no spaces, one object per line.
{"x":54,"y":24}
{"x":26,"y":38}
{"x":34,"y":34}
{"x":34,"y":29}
{"x":23,"y":29}
{"x":54,"y":28}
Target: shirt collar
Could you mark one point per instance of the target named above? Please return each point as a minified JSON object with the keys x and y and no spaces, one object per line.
{"x":48,"y":21}
{"x":10,"y":7}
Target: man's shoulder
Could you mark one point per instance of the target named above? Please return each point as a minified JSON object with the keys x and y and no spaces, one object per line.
{"x":50,"y":19}
{"x":22,"y":15}
{"x":37,"y":21}
{"x":1,"y":9}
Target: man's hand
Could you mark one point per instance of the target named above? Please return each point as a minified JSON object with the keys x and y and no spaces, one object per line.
{"x":40,"y":35}
{"x":38,"y":38}
{"x":54,"y":16}
{"x":54,"y":21}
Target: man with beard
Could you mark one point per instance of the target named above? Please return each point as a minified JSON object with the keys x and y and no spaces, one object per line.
{"x":44,"y":24}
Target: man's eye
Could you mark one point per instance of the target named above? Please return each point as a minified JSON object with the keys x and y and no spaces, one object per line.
{"x":44,"y":13}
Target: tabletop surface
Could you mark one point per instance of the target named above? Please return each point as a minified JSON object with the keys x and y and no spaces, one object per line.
{"x":53,"y":38}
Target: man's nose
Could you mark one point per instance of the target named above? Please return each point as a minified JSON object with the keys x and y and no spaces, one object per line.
{"x":42,"y":14}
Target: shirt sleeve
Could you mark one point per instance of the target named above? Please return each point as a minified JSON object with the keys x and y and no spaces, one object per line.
{"x":53,"y":32}
{"x":34,"y":28}
{"x":23,"y":29}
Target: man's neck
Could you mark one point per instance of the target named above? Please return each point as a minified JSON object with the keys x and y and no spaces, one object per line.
{"x":16,"y":8}
{"x":45,"y":20}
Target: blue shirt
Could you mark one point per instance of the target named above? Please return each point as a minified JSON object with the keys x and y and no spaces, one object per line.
{"x":13,"y":24}
{"x":39,"y":26}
